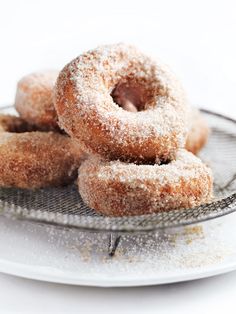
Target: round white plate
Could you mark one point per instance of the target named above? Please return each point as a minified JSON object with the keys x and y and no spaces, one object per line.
{"x":69,"y":256}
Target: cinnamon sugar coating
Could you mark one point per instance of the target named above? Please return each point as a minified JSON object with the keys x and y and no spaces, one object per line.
{"x":34,"y":99}
{"x":120,"y":189}
{"x":198,"y":133}
{"x":35,"y":159}
{"x":87,"y":95}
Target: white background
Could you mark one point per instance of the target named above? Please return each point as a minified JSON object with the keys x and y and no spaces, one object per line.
{"x":198,"y":40}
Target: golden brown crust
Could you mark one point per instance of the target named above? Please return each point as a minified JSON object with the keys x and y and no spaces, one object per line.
{"x":120,"y":189}
{"x":198,"y":133}
{"x":34,"y":99}
{"x":88,"y":113}
{"x":35,"y":159}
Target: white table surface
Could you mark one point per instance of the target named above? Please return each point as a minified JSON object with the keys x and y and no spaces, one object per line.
{"x":198,"y":40}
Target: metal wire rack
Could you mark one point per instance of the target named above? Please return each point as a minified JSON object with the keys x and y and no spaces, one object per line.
{"x":64,"y":207}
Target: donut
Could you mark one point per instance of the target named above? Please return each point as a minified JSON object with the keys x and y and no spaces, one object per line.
{"x":198,"y":133}
{"x":34,"y":99}
{"x":89,"y":95}
{"x":115,"y":188}
{"x":35,"y":159}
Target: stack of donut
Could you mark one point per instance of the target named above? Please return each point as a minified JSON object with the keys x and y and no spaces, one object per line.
{"x":33,"y":151}
{"x":131,"y":116}
{"x":125,"y":118}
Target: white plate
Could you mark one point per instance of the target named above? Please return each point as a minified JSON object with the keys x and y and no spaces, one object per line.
{"x":68,"y":256}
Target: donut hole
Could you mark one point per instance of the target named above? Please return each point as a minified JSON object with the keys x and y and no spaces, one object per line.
{"x":14,"y":124}
{"x":156,"y":161}
{"x":19,"y":128}
{"x":132,"y":96}
{"x":148,"y":162}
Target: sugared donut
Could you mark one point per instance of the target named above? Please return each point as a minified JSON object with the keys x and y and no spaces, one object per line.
{"x":34,"y":99}
{"x":198,"y":133}
{"x":35,"y":159}
{"x":88,"y":98}
{"x":118,"y":189}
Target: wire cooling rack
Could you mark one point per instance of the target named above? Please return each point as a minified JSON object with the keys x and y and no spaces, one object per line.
{"x":63,"y":206}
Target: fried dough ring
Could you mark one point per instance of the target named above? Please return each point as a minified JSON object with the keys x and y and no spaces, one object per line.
{"x":198,"y":133}
{"x":121,"y":189}
{"x":34,"y":99}
{"x":35,"y":159}
{"x":87,"y":94}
